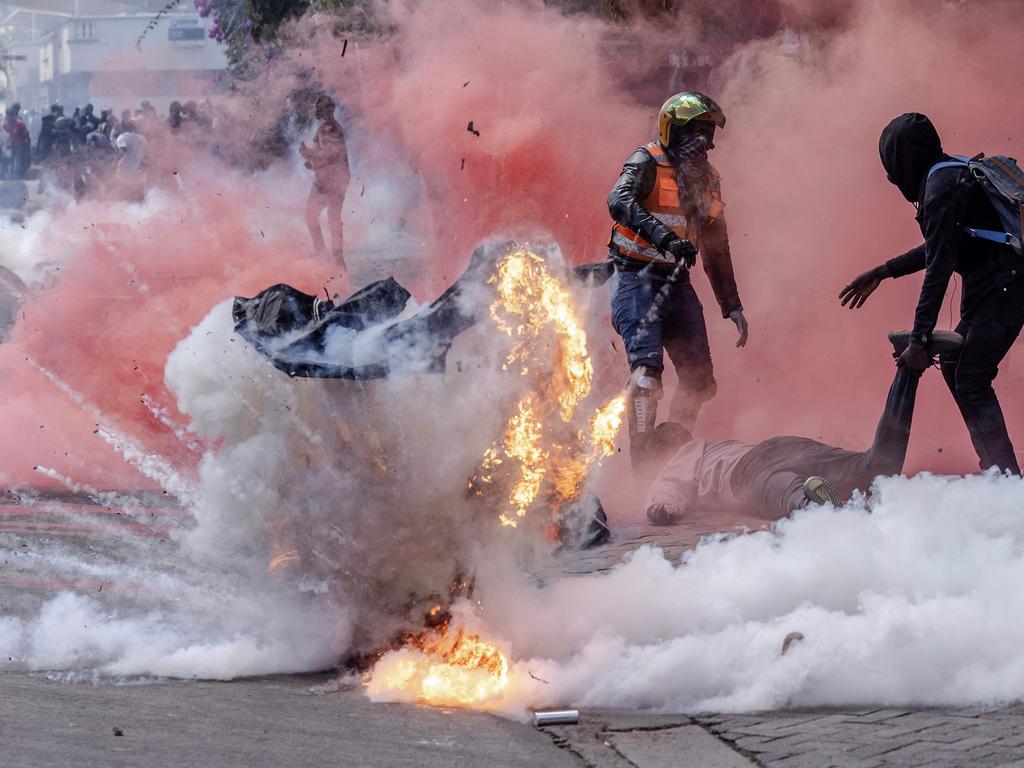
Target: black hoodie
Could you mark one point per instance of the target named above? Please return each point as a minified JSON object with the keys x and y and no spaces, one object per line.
{"x":949,"y":199}
{"x":909,"y":146}
{"x":625,"y":204}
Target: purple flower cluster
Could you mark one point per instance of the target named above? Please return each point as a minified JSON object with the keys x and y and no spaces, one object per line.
{"x":231,"y":22}
{"x":225,"y":15}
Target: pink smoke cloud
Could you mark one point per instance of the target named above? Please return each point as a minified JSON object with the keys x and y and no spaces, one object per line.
{"x":808,"y":207}
{"x":126,"y":293}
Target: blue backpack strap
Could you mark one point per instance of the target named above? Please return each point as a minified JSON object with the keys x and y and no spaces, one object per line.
{"x":958,"y":161}
{"x":1003,"y":238}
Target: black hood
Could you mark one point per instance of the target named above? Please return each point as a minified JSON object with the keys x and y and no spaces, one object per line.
{"x":909,"y":146}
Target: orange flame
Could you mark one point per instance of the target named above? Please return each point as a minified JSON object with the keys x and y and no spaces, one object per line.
{"x":599,"y":442}
{"x":522,"y":444}
{"x":530,"y":294}
{"x":541,"y":451}
{"x":433,"y":669}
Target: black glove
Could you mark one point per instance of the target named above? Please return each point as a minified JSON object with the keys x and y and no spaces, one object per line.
{"x":682,"y":251}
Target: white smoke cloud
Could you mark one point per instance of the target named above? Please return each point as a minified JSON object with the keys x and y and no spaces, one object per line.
{"x":913,"y":602}
{"x":20,"y":249}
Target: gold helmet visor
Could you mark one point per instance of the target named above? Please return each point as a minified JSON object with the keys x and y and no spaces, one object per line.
{"x":686,"y":107}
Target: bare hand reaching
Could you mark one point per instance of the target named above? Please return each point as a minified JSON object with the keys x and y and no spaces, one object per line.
{"x":862,"y":286}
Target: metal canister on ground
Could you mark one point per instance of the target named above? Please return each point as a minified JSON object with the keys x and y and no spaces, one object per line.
{"x":556,"y":717}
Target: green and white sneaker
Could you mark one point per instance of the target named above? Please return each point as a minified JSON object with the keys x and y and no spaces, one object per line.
{"x":818,"y":490}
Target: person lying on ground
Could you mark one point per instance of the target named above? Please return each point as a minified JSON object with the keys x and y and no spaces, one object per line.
{"x":782,"y":474}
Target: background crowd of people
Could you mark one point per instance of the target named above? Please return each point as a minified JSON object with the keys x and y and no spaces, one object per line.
{"x":80,"y":150}
{"x":90,"y":152}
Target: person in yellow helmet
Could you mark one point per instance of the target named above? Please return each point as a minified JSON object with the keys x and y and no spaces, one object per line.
{"x":667,"y":208}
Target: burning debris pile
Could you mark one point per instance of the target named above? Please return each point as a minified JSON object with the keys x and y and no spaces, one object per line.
{"x":550,"y":441}
{"x":441,"y":666}
{"x":541,"y":463}
{"x":372,"y":475}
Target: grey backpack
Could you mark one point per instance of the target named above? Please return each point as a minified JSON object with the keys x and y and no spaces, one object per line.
{"x":1003,"y":182}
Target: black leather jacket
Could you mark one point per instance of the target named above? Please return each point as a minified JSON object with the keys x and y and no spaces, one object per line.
{"x":624,"y":204}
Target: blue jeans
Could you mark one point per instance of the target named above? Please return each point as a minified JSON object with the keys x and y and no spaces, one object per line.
{"x":654,"y":316}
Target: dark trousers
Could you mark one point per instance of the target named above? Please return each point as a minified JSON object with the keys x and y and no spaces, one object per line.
{"x":654,"y":315}
{"x":770,"y":476}
{"x":988,"y":334}
{"x":21,"y":160}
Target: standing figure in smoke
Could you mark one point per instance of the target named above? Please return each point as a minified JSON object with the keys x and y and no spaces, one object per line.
{"x":44,"y":143}
{"x":667,"y":206}
{"x":21,"y":142}
{"x":965,"y":233}
{"x":328,"y":159}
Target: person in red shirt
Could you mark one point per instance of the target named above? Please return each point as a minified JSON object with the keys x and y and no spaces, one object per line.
{"x":328,"y":159}
{"x":21,"y":142}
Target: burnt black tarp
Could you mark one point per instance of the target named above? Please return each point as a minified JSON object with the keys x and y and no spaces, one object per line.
{"x":291,"y":328}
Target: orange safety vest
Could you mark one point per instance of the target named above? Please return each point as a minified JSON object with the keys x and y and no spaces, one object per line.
{"x":663,"y":202}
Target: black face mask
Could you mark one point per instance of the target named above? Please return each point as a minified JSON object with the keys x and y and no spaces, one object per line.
{"x":690,"y":144}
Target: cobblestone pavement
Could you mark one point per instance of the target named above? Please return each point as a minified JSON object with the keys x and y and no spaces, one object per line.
{"x":877,"y":738}
{"x":856,"y":738}
{"x":629,"y":536}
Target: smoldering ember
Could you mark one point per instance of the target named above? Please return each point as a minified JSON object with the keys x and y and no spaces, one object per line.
{"x":511,"y":383}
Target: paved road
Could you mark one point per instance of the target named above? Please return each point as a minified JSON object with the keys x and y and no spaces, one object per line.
{"x":278,"y":721}
{"x":248,"y":724}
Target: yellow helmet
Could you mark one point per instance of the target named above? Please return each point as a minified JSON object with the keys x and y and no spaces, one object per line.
{"x":685,"y":107}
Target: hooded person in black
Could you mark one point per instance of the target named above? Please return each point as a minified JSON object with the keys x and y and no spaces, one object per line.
{"x":992,"y":306}
{"x":44,"y":144}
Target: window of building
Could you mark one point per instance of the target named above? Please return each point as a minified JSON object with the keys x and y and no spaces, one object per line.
{"x":85,"y":30}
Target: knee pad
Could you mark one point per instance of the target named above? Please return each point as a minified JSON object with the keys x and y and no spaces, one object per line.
{"x":645,"y":390}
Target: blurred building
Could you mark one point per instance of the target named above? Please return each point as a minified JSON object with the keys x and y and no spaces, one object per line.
{"x":110,"y":53}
